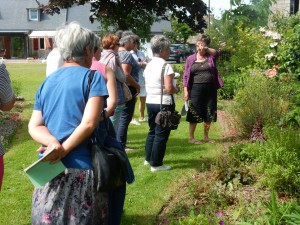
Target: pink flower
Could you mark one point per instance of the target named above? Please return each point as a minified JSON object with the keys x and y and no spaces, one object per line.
{"x":271,"y":73}
{"x":219,"y":214}
{"x":46,"y":218}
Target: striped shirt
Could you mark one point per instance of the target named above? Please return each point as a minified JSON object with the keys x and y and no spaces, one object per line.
{"x":6,"y":92}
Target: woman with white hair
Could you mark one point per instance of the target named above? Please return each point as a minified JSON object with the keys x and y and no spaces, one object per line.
{"x":63,"y":119}
{"x":131,"y":70}
{"x":157,"y":137}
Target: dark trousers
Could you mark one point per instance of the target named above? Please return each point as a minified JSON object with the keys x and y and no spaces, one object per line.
{"x":116,"y":204}
{"x":157,"y":137}
{"x":125,"y":118}
{"x":116,"y":196}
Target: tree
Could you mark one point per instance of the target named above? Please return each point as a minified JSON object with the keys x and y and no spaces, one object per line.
{"x":253,"y":15}
{"x":180,"y":32}
{"x":137,"y":15}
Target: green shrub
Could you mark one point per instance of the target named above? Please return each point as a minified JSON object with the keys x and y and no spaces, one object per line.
{"x":291,"y":119}
{"x":280,"y":159}
{"x":16,"y":85}
{"x":179,"y":68}
{"x":233,"y":168}
{"x":271,"y":212}
{"x":232,"y":82}
{"x":261,"y":101}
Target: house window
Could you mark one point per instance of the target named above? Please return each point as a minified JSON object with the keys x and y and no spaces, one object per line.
{"x":42,"y":43}
{"x":33,"y":14}
{"x":294,"y":7}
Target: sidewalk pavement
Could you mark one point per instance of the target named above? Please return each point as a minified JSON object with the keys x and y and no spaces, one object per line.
{"x":28,"y":60}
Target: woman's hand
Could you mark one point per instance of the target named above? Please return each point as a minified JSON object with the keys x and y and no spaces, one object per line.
{"x":138,"y":88}
{"x":57,"y":154}
{"x":186,"y":94}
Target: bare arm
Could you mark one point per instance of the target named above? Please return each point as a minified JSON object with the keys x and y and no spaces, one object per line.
{"x":112,"y":91}
{"x":40,"y":133}
{"x":168,"y":83}
{"x":211,"y":51}
{"x":127,"y":71}
{"x":185,"y":94}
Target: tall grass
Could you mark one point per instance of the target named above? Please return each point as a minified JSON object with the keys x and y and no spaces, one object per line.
{"x":144,"y":199}
{"x":261,"y":101}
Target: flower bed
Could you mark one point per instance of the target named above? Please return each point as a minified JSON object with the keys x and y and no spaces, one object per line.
{"x":10,"y":121}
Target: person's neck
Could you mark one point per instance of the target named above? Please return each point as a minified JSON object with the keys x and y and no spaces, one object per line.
{"x":69,"y":63}
{"x":200,"y":56}
{"x":159,"y":56}
{"x":122,"y":48}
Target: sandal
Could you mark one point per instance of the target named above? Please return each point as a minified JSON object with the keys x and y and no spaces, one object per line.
{"x":209,"y":140}
{"x":195,"y":142}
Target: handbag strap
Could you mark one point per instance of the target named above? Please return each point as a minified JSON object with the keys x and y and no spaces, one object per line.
{"x":87,"y":91}
{"x":162,"y":85}
{"x":86,"y":95}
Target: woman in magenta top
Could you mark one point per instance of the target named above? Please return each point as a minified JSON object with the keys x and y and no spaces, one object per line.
{"x":201,"y":81}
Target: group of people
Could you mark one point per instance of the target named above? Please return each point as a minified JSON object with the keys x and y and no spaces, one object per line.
{"x":65,"y":115}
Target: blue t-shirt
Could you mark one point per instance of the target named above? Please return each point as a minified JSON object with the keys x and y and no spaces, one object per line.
{"x":127,"y":58}
{"x":61,"y":101}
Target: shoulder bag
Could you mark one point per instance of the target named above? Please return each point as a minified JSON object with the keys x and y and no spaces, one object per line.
{"x":168,"y":120}
{"x":111,"y":165}
{"x":127,"y":96}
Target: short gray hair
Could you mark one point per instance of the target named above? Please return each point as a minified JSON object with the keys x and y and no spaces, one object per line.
{"x":159,"y":43}
{"x":72,"y":39}
{"x":126,"y":33}
{"x":97,"y":43}
{"x":126,"y":39}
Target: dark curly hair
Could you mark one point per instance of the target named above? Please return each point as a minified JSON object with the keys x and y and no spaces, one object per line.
{"x":204,"y":37}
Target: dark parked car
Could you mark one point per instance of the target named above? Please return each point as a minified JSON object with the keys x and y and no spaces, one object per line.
{"x":179,"y":52}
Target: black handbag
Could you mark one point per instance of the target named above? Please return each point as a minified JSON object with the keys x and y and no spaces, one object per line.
{"x":167,"y":119}
{"x":111,"y":165}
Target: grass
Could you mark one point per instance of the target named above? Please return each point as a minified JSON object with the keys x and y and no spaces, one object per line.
{"x":144,"y":199}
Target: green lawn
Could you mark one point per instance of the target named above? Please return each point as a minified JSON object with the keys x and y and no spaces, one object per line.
{"x":145,"y":198}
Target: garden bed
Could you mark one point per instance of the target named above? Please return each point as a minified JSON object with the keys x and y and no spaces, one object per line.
{"x":204,"y":193}
{"x":10,"y":122}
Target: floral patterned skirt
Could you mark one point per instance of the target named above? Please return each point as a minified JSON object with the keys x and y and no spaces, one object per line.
{"x":70,"y":199}
{"x":203,"y":104}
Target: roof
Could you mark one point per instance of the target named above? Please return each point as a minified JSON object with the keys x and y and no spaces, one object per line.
{"x":14,"y":16}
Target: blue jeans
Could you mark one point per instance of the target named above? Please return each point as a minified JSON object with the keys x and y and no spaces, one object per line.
{"x":125,"y":118}
{"x":157,"y":137}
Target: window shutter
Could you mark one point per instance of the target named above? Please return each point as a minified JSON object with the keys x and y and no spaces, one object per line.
{"x":35,"y":44}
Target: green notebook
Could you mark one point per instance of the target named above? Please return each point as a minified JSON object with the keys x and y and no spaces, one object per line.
{"x":41,"y":172}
